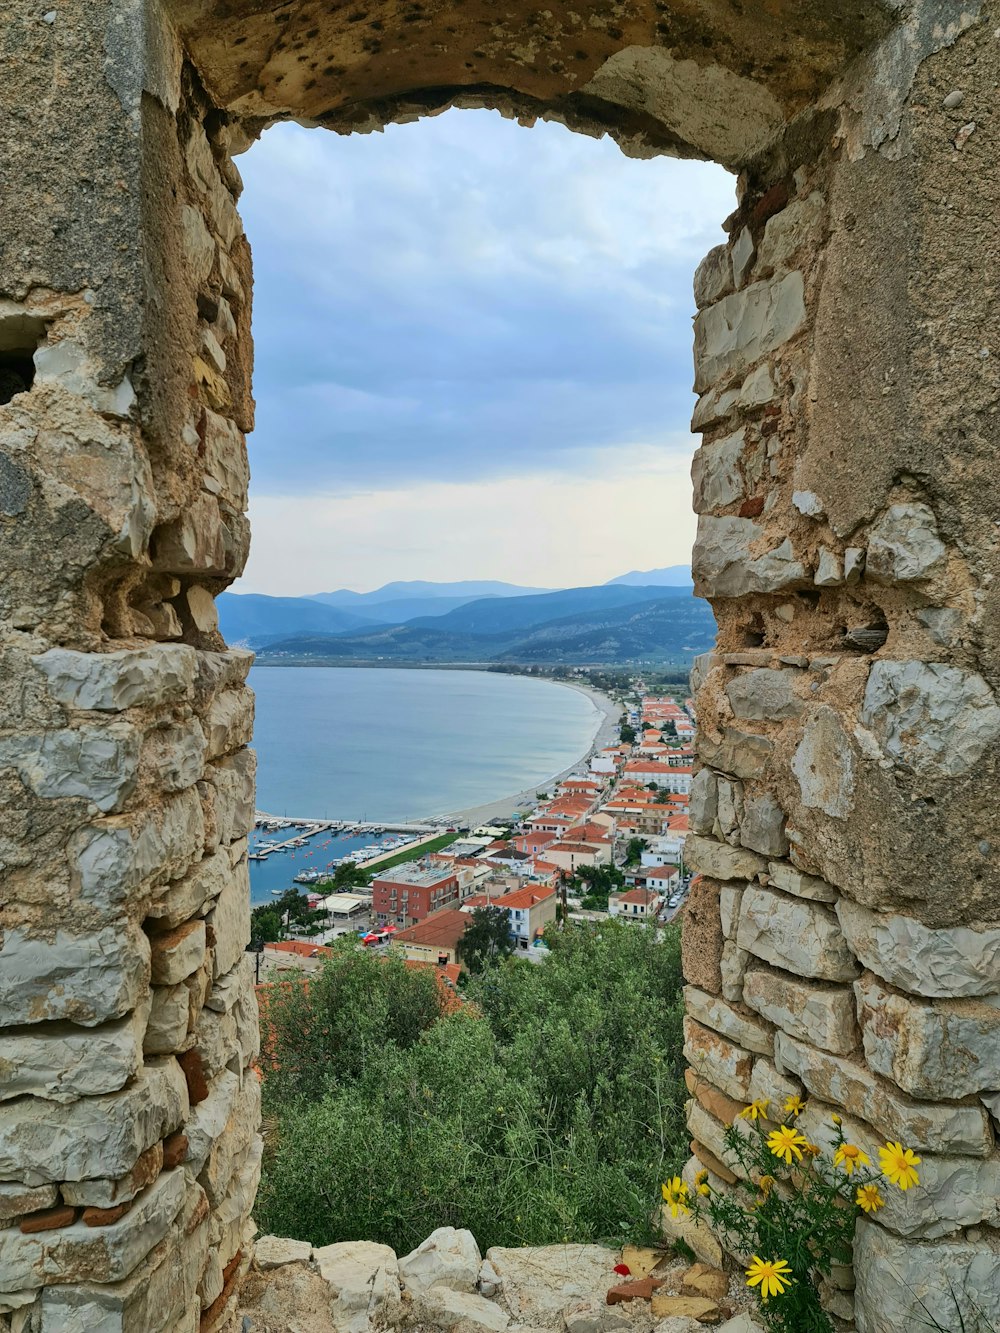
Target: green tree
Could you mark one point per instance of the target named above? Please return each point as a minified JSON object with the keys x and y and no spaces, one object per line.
{"x":266,"y":924}
{"x":348,"y":875}
{"x":487,"y":939}
{"x":634,"y":849}
{"x":627,"y":733}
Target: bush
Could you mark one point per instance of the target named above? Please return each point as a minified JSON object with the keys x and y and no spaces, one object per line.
{"x":546,"y":1109}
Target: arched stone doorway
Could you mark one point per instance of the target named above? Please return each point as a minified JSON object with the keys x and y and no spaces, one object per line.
{"x":844,"y":936}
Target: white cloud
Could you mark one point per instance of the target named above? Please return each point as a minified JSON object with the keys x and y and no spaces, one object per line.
{"x":606,"y":512}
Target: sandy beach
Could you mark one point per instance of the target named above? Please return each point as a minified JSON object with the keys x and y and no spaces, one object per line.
{"x":606,"y":734}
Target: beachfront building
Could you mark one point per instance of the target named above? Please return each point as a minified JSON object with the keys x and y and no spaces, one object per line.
{"x":409,"y":893}
{"x":434,"y":940}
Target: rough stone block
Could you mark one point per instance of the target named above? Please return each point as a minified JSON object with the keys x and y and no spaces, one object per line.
{"x":221,"y":1035}
{"x":111,"y":1193}
{"x":932,"y":1048}
{"x":729,"y":908}
{"x":903,"y":546}
{"x":701,"y":936}
{"x":230,"y":1147}
{"x":790,"y":880}
{"x":722,"y":1063}
{"x":16,"y":1200}
{"x":99,"y":765}
{"x":363,"y":1278}
{"x":794,"y":934}
{"x":739,"y":753}
{"x":169,"y":1017}
{"x":81,"y":978}
{"x":953,"y":961}
{"x":815,"y":1013}
{"x":96,"y":1137}
{"x":185,"y":898}
{"x":712,"y":1133}
{"x":230,"y":920}
{"x":824,"y":765}
{"x":767,"y":1085}
{"x":61,"y":1062}
{"x":762,"y":827}
{"x":733,"y":333}
{"x":732,"y":969}
{"x":724,"y":567}
{"x":225,"y":457}
{"x":176,"y":755}
{"x":961,"y":1128}
{"x":743,"y":1029}
{"x":721,"y":861}
{"x":227,"y":792}
{"x":717,"y":474}
{"x":229,"y":722}
{"x":765,"y":695}
{"x":111,"y":682}
{"x":447,"y":1258}
{"x":176,"y":953}
{"x":209,"y":1118}
{"x":276,"y":1251}
{"x":703,"y":804}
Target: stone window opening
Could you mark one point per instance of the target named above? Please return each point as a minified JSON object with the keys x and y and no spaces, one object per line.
{"x":20,"y":336}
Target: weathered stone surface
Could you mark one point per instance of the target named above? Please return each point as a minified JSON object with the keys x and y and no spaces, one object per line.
{"x":61,"y":1062}
{"x":790,"y":880}
{"x":16,"y":1200}
{"x":743,"y":1029}
{"x":698,"y":1236}
{"x":445,"y":1308}
{"x":903,"y":1285}
{"x":936,"y":720}
{"x":793,"y":228}
{"x":704,"y":801}
{"x":701,"y":1309}
{"x":176,"y":754}
{"x":720,"y":1061}
{"x":82,"y":978}
{"x":176,"y":953}
{"x":222,"y":1034}
{"x":364,"y":1283}
{"x":104,"y":1254}
{"x":794,"y":934}
{"x":713,"y":278}
{"x":732,"y":334}
{"x":111,"y":682}
{"x":767,"y":1085}
{"x":932,"y":1048}
{"x":732,"y":968}
{"x":185,"y":898}
{"x":723,"y":566}
{"x":111,"y":1193}
{"x":539,"y":1282}
{"x":707,"y":1130}
{"x":829,"y":569}
{"x":737,"y":752}
{"x":169,"y":1016}
{"x":961,"y":1128}
{"x":762,"y":827}
{"x":818,"y":1014}
{"x":275,"y":1251}
{"x":230,"y":920}
{"x":729,"y":908}
{"x":954,"y":961}
{"x":227,"y":1153}
{"x":97,"y":1137}
{"x":904,"y":546}
{"x":765,"y":695}
{"x":701,"y":936}
{"x":447,"y":1258}
{"x":229,"y":722}
{"x":824,"y":765}
{"x":720,"y":861}
{"x":717,"y":474}
{"x":227,"y":793}
{"x":97,"y":764}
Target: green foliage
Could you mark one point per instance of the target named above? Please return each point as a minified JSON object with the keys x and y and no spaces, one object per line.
{"x":546,"y":1109}
{"x":266,"y":924}
{"x":487,"y":940}
{"x":634,"y":849}
{"x":596,"y":883}
{"x":627,"y":733}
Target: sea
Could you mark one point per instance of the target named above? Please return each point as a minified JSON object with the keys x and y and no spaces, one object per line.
{"x":381,"y":745}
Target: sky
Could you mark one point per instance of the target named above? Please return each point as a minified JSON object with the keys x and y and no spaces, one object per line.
{"x":472,"y":354}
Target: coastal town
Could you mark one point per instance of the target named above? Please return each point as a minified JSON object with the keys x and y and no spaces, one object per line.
{"x":606,"y":842}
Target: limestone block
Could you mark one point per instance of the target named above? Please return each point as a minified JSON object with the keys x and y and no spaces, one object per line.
{"x":717,"y":475}
{"x":794,"y":228}
{"x":95,"y":764}
{"x":829,"y":569}
{"x":209,"y":1118}
{"x":791,"y":880}
{"x":903,"y":546}
{"x":225,"y":457}
{"x":792,"y":933}
{"x":740,"y":753}
{"x":16,"y":1200}
{"x":934,"y":719}
{"x":904,"y":1285}
{"x":730,"y":811}
{"x":743,"y":1029}
{"x":185,"y":898}
{"x":712,"y":1134}
{"x":824,"y":765}
{"x":276,"y":1251}
{"x":219,"y":1036}
{"x":98,"y":1254}
{"x":196,"y":541}
{"x":539,"y":1282}
{"x":61,"y":1062}
{"x":444,"y":1308}
{"x":732,"y":968}
{"x":364,"y":1283}
{"x":176,"y":755}
{"x":229,"y":723}
{"x":924,"y":1126}
{"x":229,"y":1149}
{"x":721,"y":861}
{"x":703,"y":805}
{"x":742,"y":254}
{"x":112,"y":1193}
{"x":701,"y":936}
{"x":202,"y":609}
{"x":111,"y":682}
{"x":230,"y":920}
{"x":447,"y":1258}
{"x":227,"y":794}
{"x":84,"y":979}
{"x":199,"y":246}
{"x":719,"y":1061}
{"x":218,"y":671}
{"x":177,"y":953}
{"x":931,"y":1048}
{"x":723,"y":566}
{"x":954,"y":961}
{"x":228,"y":1221}
{"x":765,"y":695}
{"x":729,"y":908}
{"x":762,"y":828}
{"x":815,"y":1013}
{"x":169,"y":1016}
{"x":740,"y":329}
{"x":767,"y":1085}
{"x":854,"y":564}
{"x":698,"y":1236}
{"x":95,"y":1137}
{"x":713,"y":278}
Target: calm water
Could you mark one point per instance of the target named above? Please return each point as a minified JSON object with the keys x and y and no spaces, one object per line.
{"x":372,"y":744}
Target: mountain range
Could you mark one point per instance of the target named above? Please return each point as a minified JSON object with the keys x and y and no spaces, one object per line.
{"x":623,"y":620}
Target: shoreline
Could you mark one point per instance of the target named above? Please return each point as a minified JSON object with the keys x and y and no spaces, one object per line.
{"x":505,"y":806}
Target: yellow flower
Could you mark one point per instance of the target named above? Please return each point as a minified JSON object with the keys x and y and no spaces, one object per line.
{"x":784,"y":1142}
{"x":812,"y":1149}
{"x":899,"y":1165}
{"x":869,"y":1198}
{"x":850,"y":1156}
{"x":835,"y":1119}
{"x":771,"y":1275}
{"x":675,"y":1194}
{"x":704,"y":1189}
{"x":701,"y":1177}
{"x":765,"y":1185}
{"x":793,"y":1106}
{"x":756,"y":1110}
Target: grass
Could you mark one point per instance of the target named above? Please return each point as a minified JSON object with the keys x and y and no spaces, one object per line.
{"x":410,"y":854}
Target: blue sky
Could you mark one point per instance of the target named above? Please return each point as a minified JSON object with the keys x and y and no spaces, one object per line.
{"x":473,"y":353}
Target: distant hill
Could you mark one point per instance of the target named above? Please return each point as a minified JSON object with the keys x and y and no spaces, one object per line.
{"x":254,"y":619}
{"x":665,"y":630}
{"x":671,"y":576}
{"x":497,"y":614}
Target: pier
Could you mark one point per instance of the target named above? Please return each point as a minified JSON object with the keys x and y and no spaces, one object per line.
{"x":309,"y":828}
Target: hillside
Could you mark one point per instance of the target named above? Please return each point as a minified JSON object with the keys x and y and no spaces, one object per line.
{"x":506,"y":614}
{"x":253,"y":618}
{"x":669,"y":630}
